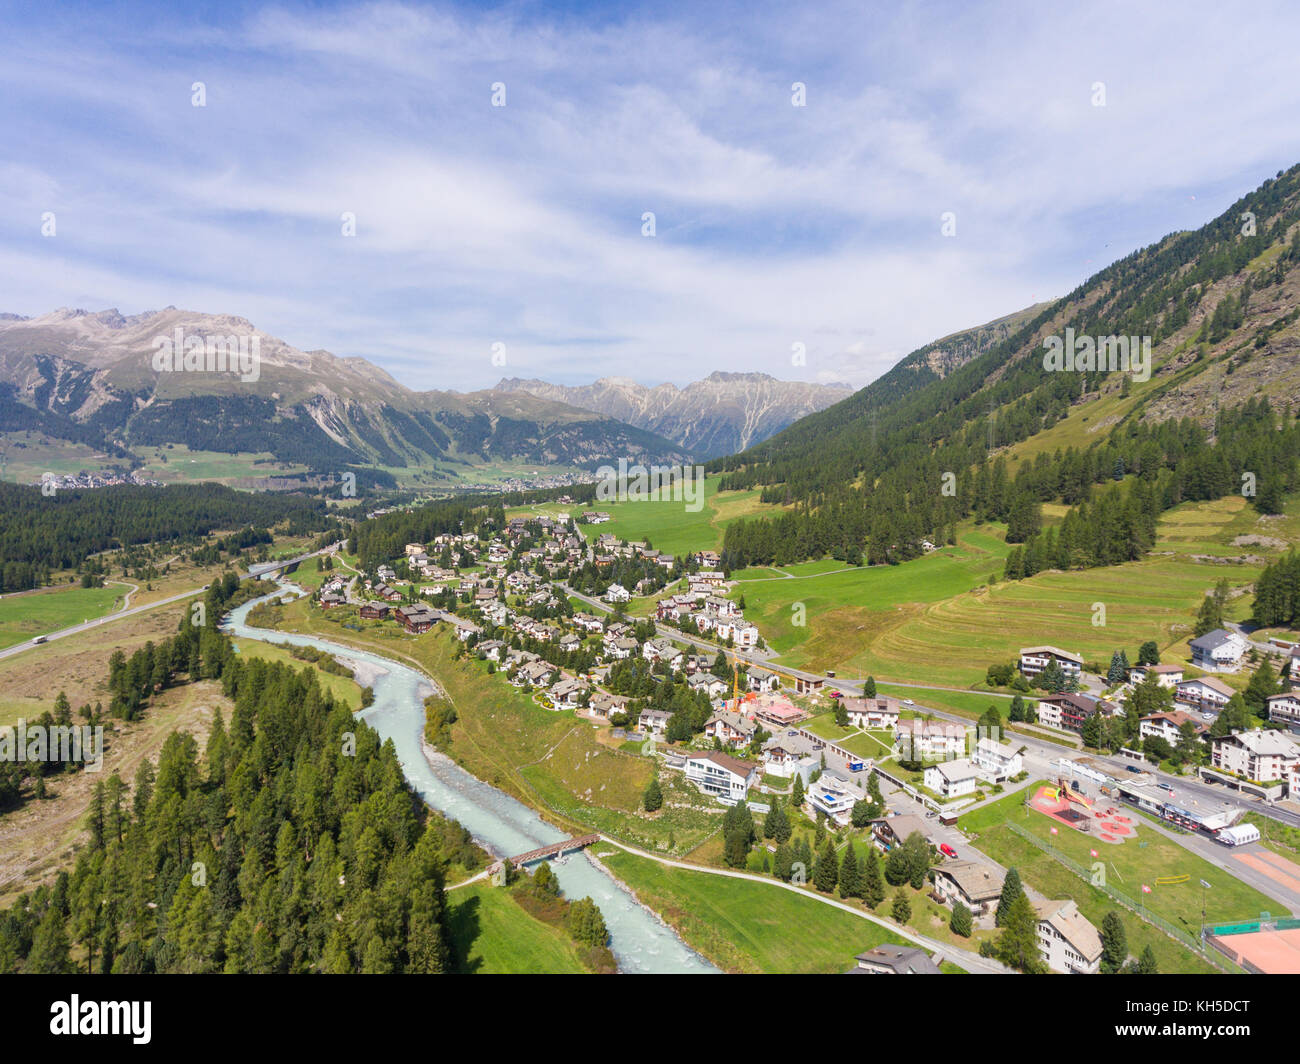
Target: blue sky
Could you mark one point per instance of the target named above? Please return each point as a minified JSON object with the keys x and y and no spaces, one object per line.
{"x":775,"y":225}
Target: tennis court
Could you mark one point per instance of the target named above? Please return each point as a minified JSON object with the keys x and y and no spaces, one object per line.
{"x":1269,"y":951}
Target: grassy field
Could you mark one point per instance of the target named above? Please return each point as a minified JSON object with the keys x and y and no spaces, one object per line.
{"x":847,"y":609}
{"x":1128,"y":866}
{"x":668,"y":525}
{"x":343,"y":688}
{"x":30,"y":679}
{"x":178,"y":463}
{"x":961,"y":636}
{"x":27,"y":614}
{"x":744,"y":926}
{"x":492,"y":935}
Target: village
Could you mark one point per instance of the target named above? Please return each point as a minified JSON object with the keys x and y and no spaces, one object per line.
{"x":753,"y":732}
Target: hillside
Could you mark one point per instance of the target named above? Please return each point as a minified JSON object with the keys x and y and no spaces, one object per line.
{"x":91,"y":378}
{"x":1219,"y":308}
{"x":722,"y":414}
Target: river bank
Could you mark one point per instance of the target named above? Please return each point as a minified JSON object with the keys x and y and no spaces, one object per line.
{"x":501,"y":822}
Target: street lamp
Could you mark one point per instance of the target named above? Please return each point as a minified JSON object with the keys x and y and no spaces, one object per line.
{"x":1203,"y":894}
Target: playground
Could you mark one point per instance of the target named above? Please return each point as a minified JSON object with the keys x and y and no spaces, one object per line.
{"x":1264,"y":947}
{"x":1095,"y":819}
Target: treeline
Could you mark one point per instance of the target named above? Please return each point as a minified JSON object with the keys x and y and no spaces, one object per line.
{"x":1249,"y":450}
{"x":1277,"y":593}
{"x":381,"y":539}
{"x":293,"y":845}
{"x":40,"y":534}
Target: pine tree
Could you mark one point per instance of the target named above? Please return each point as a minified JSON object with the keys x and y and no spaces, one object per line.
{"x":873,"y":882}
{"x":796,"y":794}
{"x":1114,"y":943}
{"x":828,"y":868}
{"x":1011,"y":890}
{"x":776,"y":825}
{"x":901,"y":910}
{"x":869,"y":688}
{"x":653,"y":799}
{"x":916,"y":857}
{"x":1017,"y":946}
{"x":897,"y":870}
{"x":1263,"y":683}
{"x":960,"y":924}
{"x":1052,"y":678}
{"x":783,"y":862}
{"x":850,"y":882}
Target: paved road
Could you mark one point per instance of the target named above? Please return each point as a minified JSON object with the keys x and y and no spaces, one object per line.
{"x":84,"y":626}
{"x":1198,"y":793}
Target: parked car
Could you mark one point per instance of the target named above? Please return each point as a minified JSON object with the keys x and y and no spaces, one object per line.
{"x":908,"y":702}
{"x":1132,"y":768}
{"x":837,"y":694}
{"x":947,"y":850}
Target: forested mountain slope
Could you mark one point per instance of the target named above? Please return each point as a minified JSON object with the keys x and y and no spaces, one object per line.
{"x":893,"y":465}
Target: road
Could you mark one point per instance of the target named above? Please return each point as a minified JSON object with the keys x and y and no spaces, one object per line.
{"x":254,"y":571}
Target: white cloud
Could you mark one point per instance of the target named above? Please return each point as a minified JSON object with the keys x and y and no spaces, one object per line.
{"x":521,"y":224}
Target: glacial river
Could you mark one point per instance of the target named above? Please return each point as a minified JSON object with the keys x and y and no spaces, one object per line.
{"x":639,"y":940}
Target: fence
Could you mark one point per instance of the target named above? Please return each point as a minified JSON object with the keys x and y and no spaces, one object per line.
{"x":1132,"y":904}
{"x":1281,"y":923}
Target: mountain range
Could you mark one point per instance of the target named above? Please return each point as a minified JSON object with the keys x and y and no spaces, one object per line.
{"x":722,"y":414}
{"x":93,"y":378}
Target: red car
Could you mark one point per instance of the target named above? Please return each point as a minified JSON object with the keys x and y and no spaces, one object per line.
{"x":947,"y":850}
{"x":837,"y":694}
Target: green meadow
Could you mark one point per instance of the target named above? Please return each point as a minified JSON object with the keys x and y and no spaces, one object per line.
{"x":667,"y":524}
{"x":745,"y":926}
{"x":25,"y":615}
{"x":492,"y":935}
{"x":844,"y":609}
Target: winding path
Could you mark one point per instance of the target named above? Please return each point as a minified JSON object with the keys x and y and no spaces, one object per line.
{"x":972,"y":962}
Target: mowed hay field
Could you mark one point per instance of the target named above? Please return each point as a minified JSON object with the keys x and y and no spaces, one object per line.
{"x":667,"y":524}
{"x":936,"y":610}
{"x":958,"y":639}
{"x":845,"y":609}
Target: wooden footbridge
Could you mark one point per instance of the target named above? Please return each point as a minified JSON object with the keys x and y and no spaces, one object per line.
{"x":555,"y":849}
